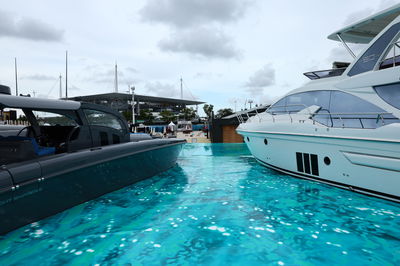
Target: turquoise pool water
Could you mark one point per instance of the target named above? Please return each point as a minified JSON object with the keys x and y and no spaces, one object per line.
{"x":216,"y":207}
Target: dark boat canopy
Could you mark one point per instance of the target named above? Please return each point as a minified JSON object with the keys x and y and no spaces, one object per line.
{"x":36,"y":103}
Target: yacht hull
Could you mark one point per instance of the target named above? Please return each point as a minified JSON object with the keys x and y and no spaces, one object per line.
{"x":362,"y":165}
{"x":64,"y":181}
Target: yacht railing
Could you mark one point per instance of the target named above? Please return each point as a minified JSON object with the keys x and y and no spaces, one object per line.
{"x":394,"y":60}
{"x":342,"y":117}
{"x":358,"y":116}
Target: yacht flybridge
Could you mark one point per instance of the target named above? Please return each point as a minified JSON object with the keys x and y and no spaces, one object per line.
{"x":343,"y":127}
{"x":69,"y":153}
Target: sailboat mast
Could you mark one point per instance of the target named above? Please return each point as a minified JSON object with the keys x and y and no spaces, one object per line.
{"x":16,"y":76}
{"x":116,"y":78}
{"x":181,"y":88}
{"x":66,"y":75}
{"x":60,"y":86}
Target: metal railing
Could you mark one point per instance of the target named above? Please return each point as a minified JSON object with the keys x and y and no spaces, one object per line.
{"x":389,"y":62}
{"x":342,"y":117}
{"x":14,"y":122}
{"x":358,"y":117}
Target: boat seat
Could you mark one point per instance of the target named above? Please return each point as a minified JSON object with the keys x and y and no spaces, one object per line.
{"x":39,"y":150}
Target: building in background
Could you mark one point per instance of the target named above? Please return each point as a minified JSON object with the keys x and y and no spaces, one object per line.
{"x":223,"y":130}
{"x":157,"y":106}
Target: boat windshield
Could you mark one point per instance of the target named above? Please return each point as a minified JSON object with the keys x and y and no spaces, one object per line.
{"x":392,"y":58}
{"x":338,"y":109}
{"x":325,"y":73}
{"x":371,"y":56}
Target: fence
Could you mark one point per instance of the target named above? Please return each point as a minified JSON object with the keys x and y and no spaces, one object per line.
{"x":14,"y":122}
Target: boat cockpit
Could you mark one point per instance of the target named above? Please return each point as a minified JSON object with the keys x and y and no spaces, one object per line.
{"x":54,"y":127}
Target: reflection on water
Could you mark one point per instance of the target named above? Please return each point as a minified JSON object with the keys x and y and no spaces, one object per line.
{"x":218,"y":207}
{"x":306,"y":192}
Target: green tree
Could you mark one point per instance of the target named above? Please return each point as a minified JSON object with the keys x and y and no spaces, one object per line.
{"x":127,"y":115}
{"x":167,"y":116}
{"x":146,"y":115}
{"x":224,"y":112}
{"x":208,"y":109}
{"x":187,"y":113}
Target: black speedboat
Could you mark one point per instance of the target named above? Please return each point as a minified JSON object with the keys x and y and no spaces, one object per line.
{"x":70,"y":153}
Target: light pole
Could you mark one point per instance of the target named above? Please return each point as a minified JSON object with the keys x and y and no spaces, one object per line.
{"x":133,"y":105}
{"x":250,"y":102}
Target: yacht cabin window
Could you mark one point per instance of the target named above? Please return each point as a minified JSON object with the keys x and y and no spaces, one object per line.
{"x":346,"y":110}
{"x":99,"y":118}
{"x":338,"y":109}
{"x":296,"y":102}
{"x":392,"y":54}
{"x":370,"y":58}
{"x":390,"y":93}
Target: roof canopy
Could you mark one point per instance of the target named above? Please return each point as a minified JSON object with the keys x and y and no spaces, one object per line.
{"x":128,"y":97}
{"x":36,"y":103}
{"x":365,"y":30}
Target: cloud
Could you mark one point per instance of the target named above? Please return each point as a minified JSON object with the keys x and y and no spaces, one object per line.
{"x":102,"y":74}
{"x":131,"y":69}
{"x":340,"y":53}
{"x":207,"y":75}
{"x":40,"y":77}
{"x":386,"y":4}
{"x":73,"y":88}
{"x":162,"y":90}
{"x":267,"y":99}
{"x":196,"y":26}
{"x":203,"y":42}
{"x":260,"y":79}
{"x":358,"y":15}
{"x":28,"y":28}
{"x":183,"y":14}
{"x":168,"y":90}
{"x":364,"y":13}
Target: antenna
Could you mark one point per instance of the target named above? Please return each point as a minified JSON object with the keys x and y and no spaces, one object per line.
{"x":116,"y":78}
{"x":16,"y":77}
{"x":66,"y":75}
{"x":181,"y":88}
{"x":60,"y":86}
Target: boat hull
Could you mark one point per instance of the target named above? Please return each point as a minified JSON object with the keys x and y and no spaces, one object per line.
{"x":366,"y":166}
{"x":71,"y":179}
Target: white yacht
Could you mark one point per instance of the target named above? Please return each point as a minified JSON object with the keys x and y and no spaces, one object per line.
{"x":343,"y":127}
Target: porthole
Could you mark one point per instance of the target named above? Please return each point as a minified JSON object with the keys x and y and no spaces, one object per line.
{"x":248,"y":140}
{"x":327,"y":161}
{"x":265,"y":141}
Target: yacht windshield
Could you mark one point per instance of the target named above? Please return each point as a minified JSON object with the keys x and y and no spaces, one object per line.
{"x":338,"y":109}
{"x":369,"y":59}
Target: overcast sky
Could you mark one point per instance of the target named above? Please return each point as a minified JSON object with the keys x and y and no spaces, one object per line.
{"x":225,"y":50}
